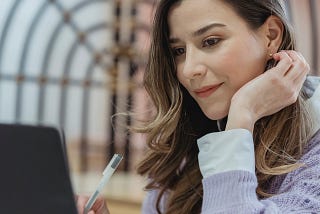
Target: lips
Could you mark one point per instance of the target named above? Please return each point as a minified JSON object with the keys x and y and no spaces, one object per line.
{"x":207,"y":90}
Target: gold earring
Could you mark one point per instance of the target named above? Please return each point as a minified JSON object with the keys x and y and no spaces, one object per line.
{"x":270,"y":55}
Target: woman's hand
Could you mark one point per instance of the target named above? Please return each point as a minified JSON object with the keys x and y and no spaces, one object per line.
{"x":99,"y":207}
{"x":270,"y":92}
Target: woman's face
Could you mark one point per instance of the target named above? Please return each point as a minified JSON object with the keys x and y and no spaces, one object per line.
{"x":215,"y":52}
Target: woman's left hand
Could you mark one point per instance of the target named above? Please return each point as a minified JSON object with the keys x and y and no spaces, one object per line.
{"x":99,"y":207}
{"x":270,"y":92}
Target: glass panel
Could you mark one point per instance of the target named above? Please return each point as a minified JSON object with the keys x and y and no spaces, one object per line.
{"x":7,"y":101}
{"x":52,"y":104}
{"x":30,"y":101}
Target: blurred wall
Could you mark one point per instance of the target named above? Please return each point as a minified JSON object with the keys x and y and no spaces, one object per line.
{"x":304,"y":16}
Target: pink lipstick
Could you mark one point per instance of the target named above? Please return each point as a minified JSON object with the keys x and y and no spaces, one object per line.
{"x":207,"y":90}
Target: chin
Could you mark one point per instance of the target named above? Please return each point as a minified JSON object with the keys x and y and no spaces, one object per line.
{"x":216,"y":110}
{"x":216,"y":115}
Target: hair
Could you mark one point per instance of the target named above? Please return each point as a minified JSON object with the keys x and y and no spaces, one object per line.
{"x":171,"y":163}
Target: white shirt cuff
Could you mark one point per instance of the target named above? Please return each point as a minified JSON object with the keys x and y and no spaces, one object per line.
{"x":226,"y":151}
{"x":314,"y":105}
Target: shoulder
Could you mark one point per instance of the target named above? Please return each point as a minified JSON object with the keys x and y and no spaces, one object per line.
{"x":312,"y":88}
{"x":311,"y":84}
{"x":302,"y":184}
{"x":312,"y":150}
{"x":311,"y":163}
{"x":150,"y":202}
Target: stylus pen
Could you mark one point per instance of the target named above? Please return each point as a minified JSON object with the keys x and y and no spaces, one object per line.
{"x":108,"y":171}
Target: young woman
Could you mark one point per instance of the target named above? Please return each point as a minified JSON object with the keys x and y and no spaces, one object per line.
{"x":235,"y":129}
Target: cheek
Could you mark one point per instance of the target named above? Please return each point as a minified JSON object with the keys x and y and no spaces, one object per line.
{"x":240,"y":67}
{"x":180,"y":76}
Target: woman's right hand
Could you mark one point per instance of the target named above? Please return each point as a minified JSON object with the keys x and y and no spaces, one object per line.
{"x":99,"y":207}
{"x":269,"y":92}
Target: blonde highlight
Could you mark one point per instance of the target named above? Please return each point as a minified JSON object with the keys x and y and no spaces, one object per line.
{"x":171,"y":163}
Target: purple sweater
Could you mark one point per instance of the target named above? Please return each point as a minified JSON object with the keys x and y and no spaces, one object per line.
{"x":235,"y":191}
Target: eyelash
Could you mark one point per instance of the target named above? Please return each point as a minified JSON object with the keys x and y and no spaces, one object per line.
{"x":206,"y":43}
{"x":176,"y":51}
{"x":214,"y":40}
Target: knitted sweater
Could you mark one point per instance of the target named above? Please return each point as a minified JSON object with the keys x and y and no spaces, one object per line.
{"x":232,"y":189}
{"x":296,"y":192}
{"x":235,"y":191}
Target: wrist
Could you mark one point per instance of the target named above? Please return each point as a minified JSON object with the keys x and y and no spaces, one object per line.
{"x":240,"y":119}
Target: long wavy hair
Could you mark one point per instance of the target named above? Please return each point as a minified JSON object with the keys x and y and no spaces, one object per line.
{"x":171,"y":163}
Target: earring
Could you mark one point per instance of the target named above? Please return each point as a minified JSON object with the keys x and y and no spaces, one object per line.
{"x":270,"y":55}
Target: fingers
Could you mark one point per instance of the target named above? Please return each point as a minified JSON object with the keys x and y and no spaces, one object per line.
{"x":300,"y":68}
{"x":99,"y":207}
{"x":293,"y":70}
{"x":298,"y":72}
{"x":285,"y":62}
{"x":292,"y":65}
{"x":81,"y":202}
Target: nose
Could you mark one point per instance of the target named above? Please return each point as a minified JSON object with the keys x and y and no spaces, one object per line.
{"x":194,"y":66}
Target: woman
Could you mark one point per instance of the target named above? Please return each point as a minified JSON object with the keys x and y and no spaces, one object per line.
{"x":232,"y":132}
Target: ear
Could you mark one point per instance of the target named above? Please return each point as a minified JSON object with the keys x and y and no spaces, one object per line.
{"x":273,"y":31}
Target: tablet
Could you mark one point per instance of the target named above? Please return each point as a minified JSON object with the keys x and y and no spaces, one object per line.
{"x":34,"y":171}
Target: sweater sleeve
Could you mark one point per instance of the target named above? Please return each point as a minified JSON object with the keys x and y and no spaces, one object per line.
{"x":149,"y":202}
{"x":235,"y":191}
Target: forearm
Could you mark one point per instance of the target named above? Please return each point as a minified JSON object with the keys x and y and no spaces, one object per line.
{"x":232,"y":189}
{"x":233,"y":192}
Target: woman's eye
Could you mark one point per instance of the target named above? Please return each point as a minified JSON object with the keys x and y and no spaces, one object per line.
{"x":210,"y":42}
{"x":178,"y":51}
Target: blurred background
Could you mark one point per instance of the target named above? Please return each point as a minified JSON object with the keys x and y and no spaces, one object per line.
{"x":73,"y":64}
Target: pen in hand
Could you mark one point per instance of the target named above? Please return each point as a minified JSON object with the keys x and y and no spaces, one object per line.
{"x":109,"y":170}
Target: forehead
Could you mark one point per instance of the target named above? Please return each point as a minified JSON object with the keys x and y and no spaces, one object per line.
{"x":189,"y":15}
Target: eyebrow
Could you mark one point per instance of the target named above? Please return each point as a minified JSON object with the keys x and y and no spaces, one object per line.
{"x":200,"y":31}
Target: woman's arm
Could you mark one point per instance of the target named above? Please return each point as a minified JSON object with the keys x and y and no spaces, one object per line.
{"x":235,"y":191}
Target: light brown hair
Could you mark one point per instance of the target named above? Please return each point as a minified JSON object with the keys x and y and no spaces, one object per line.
{"x":172,"y":163}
